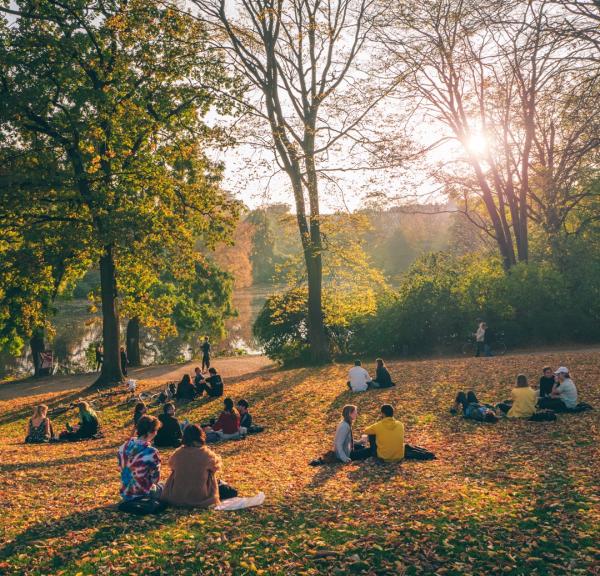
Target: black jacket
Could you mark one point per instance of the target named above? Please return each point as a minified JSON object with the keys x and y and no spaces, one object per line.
{"x":169,"y":434}
{"x":216,"y":385}
{"x":383,"y":378}
{"x":246,"y":420}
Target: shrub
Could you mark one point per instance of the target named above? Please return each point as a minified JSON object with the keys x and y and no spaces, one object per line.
{"x":438,"y":304}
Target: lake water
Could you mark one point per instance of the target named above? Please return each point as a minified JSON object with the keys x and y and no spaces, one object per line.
{"x":77,"y":331}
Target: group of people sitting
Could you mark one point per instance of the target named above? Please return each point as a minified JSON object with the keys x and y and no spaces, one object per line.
{"x":557,"y":393}
{"x":40,"y":429}
{"x":194,"y":468}
{"x":384,"y":439}
{"x":232,"y":423}
{"x":360,"y":381}
{"x":212,"y":385}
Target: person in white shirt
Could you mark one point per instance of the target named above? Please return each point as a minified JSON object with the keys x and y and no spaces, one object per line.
{"x":564,"y":394}
{"x":480,"y":338}
{"x":358,"y":378}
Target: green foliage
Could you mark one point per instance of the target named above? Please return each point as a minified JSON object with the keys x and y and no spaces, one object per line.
{"x":262,"y":256}
{"x":352,"y":287}
{"x":281,"y":326}
{"x":442,"y":297}
{"x":439,"y":302}
{"x":102,"y":107}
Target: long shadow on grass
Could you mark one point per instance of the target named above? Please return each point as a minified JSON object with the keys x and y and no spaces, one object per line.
{"x":261,"y":394}
{"x":5,"y":468}
{"x":25,"y":411}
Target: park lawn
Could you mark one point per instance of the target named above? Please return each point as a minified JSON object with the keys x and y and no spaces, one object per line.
{"x":510,"y":498}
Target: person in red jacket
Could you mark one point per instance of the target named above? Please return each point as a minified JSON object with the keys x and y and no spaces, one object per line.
{"x":228,"y":423}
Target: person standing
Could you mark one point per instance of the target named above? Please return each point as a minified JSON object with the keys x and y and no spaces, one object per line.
{"x":205,"y":354}
{"x":124,"y":361}
{"x":488,"y":338}
{"x":479,"y":339}
{"x":99,"y":357}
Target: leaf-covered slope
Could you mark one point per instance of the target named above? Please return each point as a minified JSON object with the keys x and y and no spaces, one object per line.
{"x":511,"y":498}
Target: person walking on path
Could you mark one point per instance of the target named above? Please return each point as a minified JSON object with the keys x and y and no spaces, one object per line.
{"x":124,"y":361}
{"x":205,"y":354}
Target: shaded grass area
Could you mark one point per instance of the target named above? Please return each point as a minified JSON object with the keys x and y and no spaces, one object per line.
{"x":513,"y":498}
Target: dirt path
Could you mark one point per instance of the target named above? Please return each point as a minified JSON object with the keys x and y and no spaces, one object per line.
{"x":228,"y":367}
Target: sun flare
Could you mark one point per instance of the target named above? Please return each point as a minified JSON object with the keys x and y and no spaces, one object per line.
{"x":477,"y":144}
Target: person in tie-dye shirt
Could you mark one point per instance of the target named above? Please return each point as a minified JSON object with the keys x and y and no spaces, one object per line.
{"x":139,"y":462}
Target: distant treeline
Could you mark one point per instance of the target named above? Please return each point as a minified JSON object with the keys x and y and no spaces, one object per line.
{"x":266,"y":240}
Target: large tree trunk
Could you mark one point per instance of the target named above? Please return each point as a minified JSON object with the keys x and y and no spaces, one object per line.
{"x":319,"y":344}
{"x":310,"y":235}
{"x":36,"y":343}
{"x":133,"y":342}
{"x":111,"y":366}
{"x":319,"y":341}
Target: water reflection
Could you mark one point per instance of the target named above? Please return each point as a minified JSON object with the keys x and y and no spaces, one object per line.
{"x":78,"y":331}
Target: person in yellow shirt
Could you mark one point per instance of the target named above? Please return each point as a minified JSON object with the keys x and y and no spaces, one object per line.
{"x":524,"y":400}
{"x":389,"y":435}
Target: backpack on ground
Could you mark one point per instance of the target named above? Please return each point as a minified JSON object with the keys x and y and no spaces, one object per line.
{"x":226,"y":492}
{"x":142,"y":506}
{"x":581,"y":407}
{"x":543,"y":416}
{"x":328,"y":458}
{"x":417,"y":453}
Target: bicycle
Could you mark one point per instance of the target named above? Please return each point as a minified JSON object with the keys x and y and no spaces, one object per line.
{"x":498,"y":347}
{"x":154,"y":397}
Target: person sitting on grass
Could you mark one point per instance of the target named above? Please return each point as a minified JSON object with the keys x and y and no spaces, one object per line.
{"x":194,"y":471}
{"x":388,"y":436}
{"x":382,"y":376}
{"x":185,"y":389}
{"x":139,"y":463}
{"x":524,"y":400}
{"x":344,"y":446}
{"x":358,"y":378}
{"x":246,"y":425}
{"x":213,"y":385}
{"x":245,"y":416}
{"x":39,"y":429}
{"x":472,"y":409}
{"x":564,"y":393}
{"x":547,"y":382}
{"x":169,"y":435}
{"x":88,"y":427}
{"x":140,"y":410}
{"x":227,"y":425}
{"x":198,"y":377}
